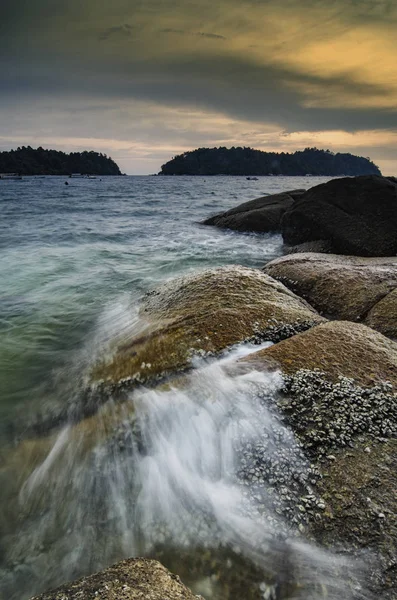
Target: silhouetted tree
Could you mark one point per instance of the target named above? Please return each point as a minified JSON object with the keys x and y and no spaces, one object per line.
{"x":28,"y":161}
{"x":246,"y":161}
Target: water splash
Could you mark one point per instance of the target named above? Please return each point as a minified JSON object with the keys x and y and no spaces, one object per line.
{"x":201,"y":465}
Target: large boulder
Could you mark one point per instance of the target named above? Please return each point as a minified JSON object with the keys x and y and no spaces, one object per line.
{"x":343,"y":287}
{"x":132,"y":579}
{"x":358,"y":488}
{"x":200,"y":315}
{"x":337,"y":400}
{"x":337,"y":348}
{"x":357,"y":215}
{"x":261,"y":214}
{"x":383,"y":316}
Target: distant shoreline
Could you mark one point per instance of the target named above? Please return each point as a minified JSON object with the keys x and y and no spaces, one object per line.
{"x":248,"y":162}
{"x":42,"y":162}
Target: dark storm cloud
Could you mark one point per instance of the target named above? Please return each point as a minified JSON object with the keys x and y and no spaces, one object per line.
{"x":211,"y":36}
{"x":119,"y":30}
{"x":170,"y":30}
{"x":238,"y":86}
{"x":302,"y":65}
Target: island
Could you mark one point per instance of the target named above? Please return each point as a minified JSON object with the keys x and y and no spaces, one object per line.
{"x":247,"y":161}
{"x":39,"y":161}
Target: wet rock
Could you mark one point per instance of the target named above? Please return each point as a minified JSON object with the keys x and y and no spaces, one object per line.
{"x":337,"y":348}
{"x":202,"y":315}
{"x":217,"y":572}
{"x":132,"y":579}
{"x":328,"y":416}
{"x":261,"y":214}
{"x":359,"y":491}
{"x":349,"y":433}
{"x":343,"y":287}
{"x":357,"y":215}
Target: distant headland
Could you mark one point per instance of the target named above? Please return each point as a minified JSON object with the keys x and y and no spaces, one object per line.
{"x":30,"y":161}
{"x":247,"y":161}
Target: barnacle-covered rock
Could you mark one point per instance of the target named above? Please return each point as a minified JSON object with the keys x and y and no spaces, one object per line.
{"x":337,"y":348}
{"x":131,"y":579}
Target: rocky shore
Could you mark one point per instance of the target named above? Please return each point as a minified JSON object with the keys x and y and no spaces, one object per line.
{"x":331,"y":319}
{"x":351,"y":216}
{"x":133,"y":579}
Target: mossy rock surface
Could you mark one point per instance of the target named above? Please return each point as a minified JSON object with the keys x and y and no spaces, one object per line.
{"x":343,"y":287}
{"x":204,"y":314}
{"x":349,"y":434}
{"x":338,"y":348}
{"x":133,"y":579}
{"x":358,"y":487}
{"x":383,"y":316}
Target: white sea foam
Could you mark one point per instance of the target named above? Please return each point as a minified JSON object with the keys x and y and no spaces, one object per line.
{"x":170,"y":473}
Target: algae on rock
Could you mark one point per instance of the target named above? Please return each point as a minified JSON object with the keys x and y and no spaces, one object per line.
{"x":203,"y":315}
{"x":337,"y":348}
{"x":383,"y":316}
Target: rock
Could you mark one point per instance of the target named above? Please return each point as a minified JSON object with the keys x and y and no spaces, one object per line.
{"x":201,"y":315}
{"x":343,"y":287}
{"x":261,"y":214}
{"x":337,"y":348}
{"x":328,"y":416}
{"x":383,"y":316}
{"x":349,"y":434}
{"x":357,"y":215}
{"x":324,"y":246}
{"x":352,"y":491}
{"x":358,"y":488}
{"x":132,"y":579}
{"x":345,"y":418}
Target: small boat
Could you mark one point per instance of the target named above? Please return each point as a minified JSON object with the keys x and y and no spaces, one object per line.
{"x":252,"y":178}
{"x":77,"y":176}
{"x":10,"y":176}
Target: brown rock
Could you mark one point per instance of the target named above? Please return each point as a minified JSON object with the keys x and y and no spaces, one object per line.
{"x":359,"y":489}
{"x":383,"y":316}
{"x":205,"y":313}
{"x":338,"y":348}
{"x":343,"y":287}
{"x":133,"y":579}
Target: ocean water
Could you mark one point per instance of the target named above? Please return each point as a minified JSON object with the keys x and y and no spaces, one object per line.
{"x":73,"y":256}
{"x":74,"y":262}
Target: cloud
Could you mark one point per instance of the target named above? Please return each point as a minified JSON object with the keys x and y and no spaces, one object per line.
{"x":119,"y":30}
{"x":170,"y":30}
{"x":211,"y":36}
{"x":293,"y":65}
{"x":141,"y":136}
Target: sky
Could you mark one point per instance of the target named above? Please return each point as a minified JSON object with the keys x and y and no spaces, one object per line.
{"x":145,"y":80}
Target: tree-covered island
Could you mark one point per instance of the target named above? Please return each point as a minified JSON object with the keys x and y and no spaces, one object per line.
{"x":246,"y":161}
{"x":30,"y":161}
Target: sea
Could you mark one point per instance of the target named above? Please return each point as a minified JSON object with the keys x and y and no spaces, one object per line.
{"x":75,"y":497}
